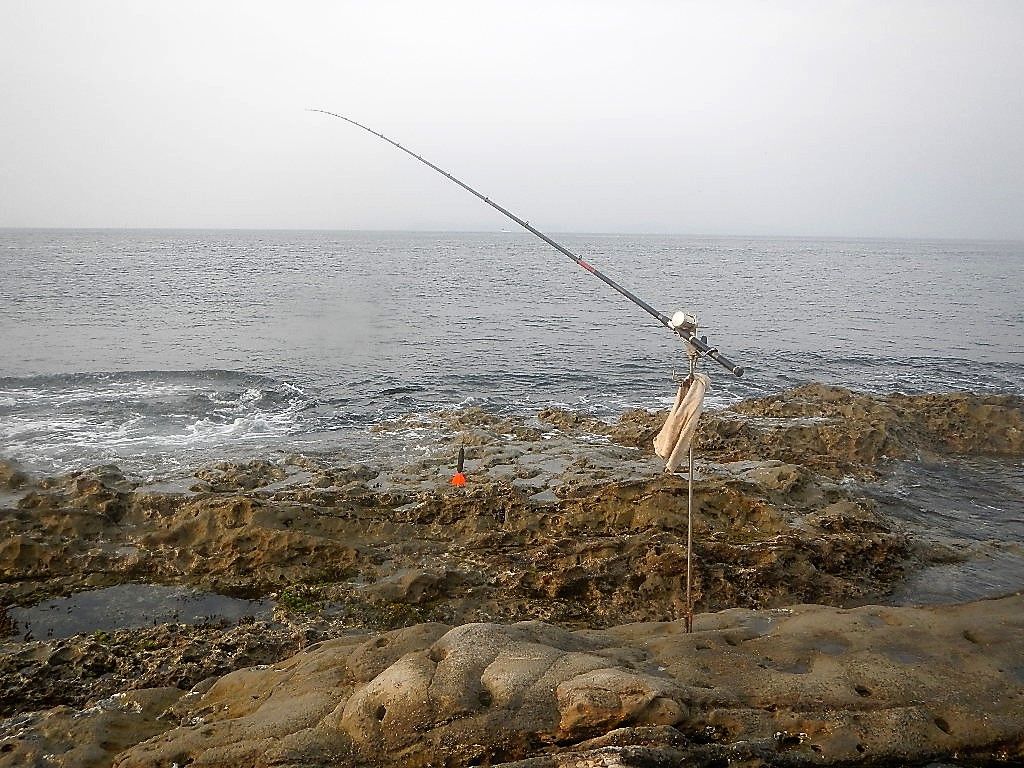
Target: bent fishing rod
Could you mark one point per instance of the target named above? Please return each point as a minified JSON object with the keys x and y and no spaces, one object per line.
{"x":680,"y":323}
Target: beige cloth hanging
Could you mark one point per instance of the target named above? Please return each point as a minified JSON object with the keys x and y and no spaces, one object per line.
{"x":673,"y":442}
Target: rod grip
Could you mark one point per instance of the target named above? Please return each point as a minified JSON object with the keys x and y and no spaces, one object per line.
{"x":728,"y":364}
{"x":714,"y":354}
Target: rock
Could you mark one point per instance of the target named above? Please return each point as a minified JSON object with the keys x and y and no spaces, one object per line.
{"x":805,"y":685}
{"x":85,"y":738}
{"x":71,"y":671}
{"x":599,"y":701}
{"x":570,"y":526}
{"x":227,"y":477}
{"x":573,"y":421}
{"x":412,"y":586}
{"x":11,"y":477}
{"x":102,"y":491}
{"x":576,"y":531}
{"x":837,"y":431}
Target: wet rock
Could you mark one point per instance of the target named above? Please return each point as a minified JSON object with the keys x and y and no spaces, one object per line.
{"x":12,"y":478}
{"x":71,"y":671}
{"x":413,"y":586}
{"x":85,"y":738}
{"x":102,"y":491}
{"x":637,"y":428}
{"x":343,"y":477}
{"x":236,"y":544}
{"x":838,"y":431}
{"x":574,"y":531}
{"x":573,"y":421}
{"x":229,"y":477}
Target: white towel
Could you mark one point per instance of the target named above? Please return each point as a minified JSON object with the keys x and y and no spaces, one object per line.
{"x":673,"y":442}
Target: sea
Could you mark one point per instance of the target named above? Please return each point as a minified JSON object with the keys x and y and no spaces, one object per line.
{"x":164,"y":350}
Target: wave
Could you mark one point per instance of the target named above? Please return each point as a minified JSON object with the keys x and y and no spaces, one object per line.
{"x":66,"y":421}
{"x":152,"y":422}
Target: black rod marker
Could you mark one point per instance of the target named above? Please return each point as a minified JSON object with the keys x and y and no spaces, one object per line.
{"x":689,"y":336}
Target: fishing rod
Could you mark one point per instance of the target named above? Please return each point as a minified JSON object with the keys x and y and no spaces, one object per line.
{"x":680,"y":323}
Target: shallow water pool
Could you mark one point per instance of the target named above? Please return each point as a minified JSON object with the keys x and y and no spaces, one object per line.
{"x":129,"y":605}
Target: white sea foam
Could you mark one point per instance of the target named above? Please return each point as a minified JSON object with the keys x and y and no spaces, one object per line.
{"x":105,"y":391}
{"x":210,"y":432}
{"x":137,"y":422}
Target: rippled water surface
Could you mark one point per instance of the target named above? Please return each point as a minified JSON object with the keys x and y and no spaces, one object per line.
{"x":973,"y":508}
{"x":159,"y":350}
{"x":130,"y":605}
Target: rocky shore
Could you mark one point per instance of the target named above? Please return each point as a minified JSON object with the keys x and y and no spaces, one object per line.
{"x":534,"y":616}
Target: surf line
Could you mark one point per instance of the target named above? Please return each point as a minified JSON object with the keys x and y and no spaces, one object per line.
{"x":680,"y":323}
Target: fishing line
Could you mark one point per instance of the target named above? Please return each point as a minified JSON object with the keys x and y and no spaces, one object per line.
{"x":680,"y":323}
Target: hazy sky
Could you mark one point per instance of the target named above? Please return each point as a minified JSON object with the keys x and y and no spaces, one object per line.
{"x":796,"y":118}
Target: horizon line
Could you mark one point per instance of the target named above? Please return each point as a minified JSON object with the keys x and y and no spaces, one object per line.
{"x":941,"y":238}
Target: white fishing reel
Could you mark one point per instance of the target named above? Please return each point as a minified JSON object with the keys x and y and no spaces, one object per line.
{"x":683,"y":323}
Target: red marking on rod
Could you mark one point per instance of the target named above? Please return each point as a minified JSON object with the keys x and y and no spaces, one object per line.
{"x":586,"y":266}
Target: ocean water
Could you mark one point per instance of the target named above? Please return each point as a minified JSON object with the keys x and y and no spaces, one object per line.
{"x":164,"y":350}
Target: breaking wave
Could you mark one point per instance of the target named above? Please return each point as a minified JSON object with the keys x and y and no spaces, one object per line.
{"x":73,"y":420}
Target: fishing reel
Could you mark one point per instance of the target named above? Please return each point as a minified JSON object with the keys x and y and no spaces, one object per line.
{"x":683,"y":323}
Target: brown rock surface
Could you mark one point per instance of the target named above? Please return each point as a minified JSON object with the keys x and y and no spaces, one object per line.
{"x":836,"y":431}
{"x":563,"y":520}
{"x":798,"y":686}
{"x":11,"y":478}
{"x":85,"y":738}
{"x":43,"y":673}
{"x":552,"y":526}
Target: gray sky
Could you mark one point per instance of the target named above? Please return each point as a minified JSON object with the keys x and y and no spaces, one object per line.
{"x":838,"y":118}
